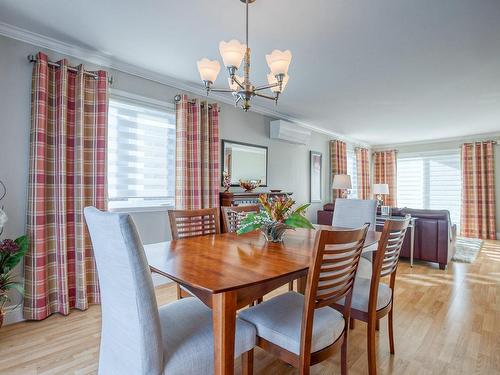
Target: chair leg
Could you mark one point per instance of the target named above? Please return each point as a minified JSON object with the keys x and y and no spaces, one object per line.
{"x":351,"y":323}
{"x":179,"y":291}
{"x":290,"y":286}
{"x":391,"y":331}
{"x":372,"y":352}
{"x":247,"y":363}
{"x":343,"y":354}
{"x":377,"y":325}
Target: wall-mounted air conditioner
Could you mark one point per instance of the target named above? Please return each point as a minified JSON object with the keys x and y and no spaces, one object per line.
{"x":289,"y":132}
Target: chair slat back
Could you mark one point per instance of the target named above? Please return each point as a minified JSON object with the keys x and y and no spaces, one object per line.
{"x":390,"y":244}
{"x":331,"y":275}
{"x":232,"y":216}
{"x":386,"y":258}
{"x":337,"y":256}
{"x":192,"y":223}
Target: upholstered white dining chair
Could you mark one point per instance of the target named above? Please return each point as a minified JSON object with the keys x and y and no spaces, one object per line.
{"x":352,"y":213}
{"x":137,"y":338}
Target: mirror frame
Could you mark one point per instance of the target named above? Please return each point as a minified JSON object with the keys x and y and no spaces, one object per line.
{"x":223,"y":144}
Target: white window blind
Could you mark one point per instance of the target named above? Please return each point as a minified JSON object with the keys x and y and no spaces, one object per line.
{"x":352,"y":171}
{"x":141,"y":154}
{"x":430,"y":181}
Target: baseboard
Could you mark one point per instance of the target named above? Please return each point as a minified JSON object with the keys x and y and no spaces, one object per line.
{"x":13,"y":315}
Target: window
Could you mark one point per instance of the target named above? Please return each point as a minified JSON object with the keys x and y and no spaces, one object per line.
{"x":141,"y":154}
{"x":352,"y":171}
{"x":431,"y":181}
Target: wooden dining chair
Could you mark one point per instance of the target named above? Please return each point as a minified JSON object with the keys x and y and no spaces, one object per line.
{"x":232,"y":216}
{"x":305,"y":330}
{"x":371,"y":299}
{"x":192,"y":223}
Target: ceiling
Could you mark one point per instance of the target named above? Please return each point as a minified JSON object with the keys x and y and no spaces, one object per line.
{"x":384,"y":71}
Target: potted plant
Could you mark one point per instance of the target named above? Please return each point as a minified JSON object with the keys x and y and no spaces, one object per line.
{"x":276,"y":217}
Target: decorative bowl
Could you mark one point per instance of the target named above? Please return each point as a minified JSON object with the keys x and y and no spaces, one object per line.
{"x":249,"y":185}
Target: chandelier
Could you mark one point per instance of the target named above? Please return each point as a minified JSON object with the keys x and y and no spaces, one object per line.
{"x":242,"y":89}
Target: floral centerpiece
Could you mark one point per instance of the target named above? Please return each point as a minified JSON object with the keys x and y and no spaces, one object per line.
{"x":276,"y":217}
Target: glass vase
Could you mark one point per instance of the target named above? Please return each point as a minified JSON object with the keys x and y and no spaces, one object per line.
{"x":274,"y":232}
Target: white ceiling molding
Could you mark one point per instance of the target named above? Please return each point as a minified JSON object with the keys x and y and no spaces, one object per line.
{"x":108,"y":61}
{"x":471,"y":138}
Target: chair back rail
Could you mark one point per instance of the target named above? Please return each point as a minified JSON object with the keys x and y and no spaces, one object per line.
{"x":386,"y":258}
{"x":330,"y":278}
{"x":232,"y":216}
{"x":192,"y":223}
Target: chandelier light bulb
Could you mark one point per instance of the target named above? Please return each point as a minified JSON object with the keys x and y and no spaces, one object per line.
{"x":232,"y":52}
{"x":271,"y":79}
{"x":209,"y":70}
{"x":279,"y":61}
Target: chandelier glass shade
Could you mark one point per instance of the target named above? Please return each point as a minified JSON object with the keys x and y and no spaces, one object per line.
{"x":233,"y":53}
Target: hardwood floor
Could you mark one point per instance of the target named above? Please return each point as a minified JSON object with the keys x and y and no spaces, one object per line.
{"x":446,"y":322}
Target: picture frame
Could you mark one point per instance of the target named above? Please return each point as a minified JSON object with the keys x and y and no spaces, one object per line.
{"x":315,"y":178}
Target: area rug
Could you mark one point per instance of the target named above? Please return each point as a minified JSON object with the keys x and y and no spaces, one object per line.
{"x":467,"y":249}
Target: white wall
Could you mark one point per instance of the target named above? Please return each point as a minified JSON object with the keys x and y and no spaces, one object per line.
{"x":455,"y":144}
{"x":288,"y":164}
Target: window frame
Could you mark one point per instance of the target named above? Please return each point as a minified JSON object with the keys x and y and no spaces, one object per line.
{"x":426,"y":182}
{"x":139,"y":100}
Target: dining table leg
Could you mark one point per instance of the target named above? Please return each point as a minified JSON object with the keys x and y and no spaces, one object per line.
{"x":224,"y":326}
{"x":301,"y":284}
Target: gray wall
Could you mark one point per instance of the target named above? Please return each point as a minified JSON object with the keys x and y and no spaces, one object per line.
{"x":288,"y":164}
{"x":449,"y":145}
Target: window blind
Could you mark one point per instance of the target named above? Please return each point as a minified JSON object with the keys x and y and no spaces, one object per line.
{"x":141,"y":154}
{"x":430,"y":181}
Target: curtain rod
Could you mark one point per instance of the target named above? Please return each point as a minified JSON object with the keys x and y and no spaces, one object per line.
{"x":177,"y":99}
{"x":32,"y":59}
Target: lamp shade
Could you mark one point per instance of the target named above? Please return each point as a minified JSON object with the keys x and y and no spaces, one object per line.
{"x":279,"y":61}
{"x":272,"y":80}
{"x":380,"y":189}
{"x":341,"y":181}
{"x":232,"y":52}
{"x":209,"y":70}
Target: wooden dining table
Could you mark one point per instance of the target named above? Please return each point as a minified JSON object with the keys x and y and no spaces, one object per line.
{"x":227,"y":272}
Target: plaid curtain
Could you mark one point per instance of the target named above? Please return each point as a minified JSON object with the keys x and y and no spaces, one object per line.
{"x":67,"y":172}
{"x":385,"y":173}
{"x":363,"y":170}
{"x":197,"y":154}
{"x":338,"y":161}
{"x":478,"y":190}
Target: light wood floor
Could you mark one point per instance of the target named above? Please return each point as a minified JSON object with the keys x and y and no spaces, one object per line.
{"x":446,"y":322}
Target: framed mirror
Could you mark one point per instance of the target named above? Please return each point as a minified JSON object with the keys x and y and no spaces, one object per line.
{"x":244,"y":161}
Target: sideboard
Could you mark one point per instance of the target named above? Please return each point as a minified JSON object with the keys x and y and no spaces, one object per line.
{"x":237,"y":198}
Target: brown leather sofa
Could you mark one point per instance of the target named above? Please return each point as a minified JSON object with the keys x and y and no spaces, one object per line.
{"x":435,"y":234}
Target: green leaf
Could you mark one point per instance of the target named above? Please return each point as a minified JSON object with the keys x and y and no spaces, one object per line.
{"x":14,"y":259}
{"x":298,"y":221}
{"x":247,"y":228}
{"x":301,"y":208}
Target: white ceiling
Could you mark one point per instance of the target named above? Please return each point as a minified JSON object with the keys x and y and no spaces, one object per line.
{"x":380,"y":71}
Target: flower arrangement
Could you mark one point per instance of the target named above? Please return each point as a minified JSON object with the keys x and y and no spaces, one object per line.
{"x":11,"y":253}
{"x":276,"y":217}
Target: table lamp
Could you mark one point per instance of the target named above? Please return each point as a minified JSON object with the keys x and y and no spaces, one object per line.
{"x":379,"y":190}
{"x":342,"y":182}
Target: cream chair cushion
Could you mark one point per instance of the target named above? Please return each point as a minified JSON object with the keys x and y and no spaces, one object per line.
{"x":361,"y":295}
{"x":279,"y":321}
